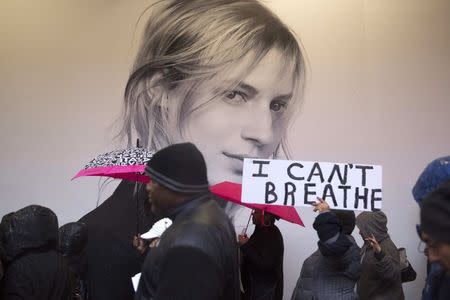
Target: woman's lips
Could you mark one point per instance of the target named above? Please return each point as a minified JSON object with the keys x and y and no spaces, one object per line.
{"x":237,"y":161}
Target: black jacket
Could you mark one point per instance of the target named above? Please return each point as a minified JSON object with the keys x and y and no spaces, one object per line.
{"x":36,"y":271}
{"x":112,"y":259}
{"x":262,"y":264}
{"x":196,"y":257}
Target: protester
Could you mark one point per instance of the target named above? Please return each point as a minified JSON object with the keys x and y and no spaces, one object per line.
{"x":435,"y":232}
{"x":72,"y":245}
{"x":435,"y":173}
{"x":4,"y":226}
{"x":332,"y":271}
{"x":35,"y":269}
{"x":111,"y":257}
{"x":197,"y":256}
{"x":262,"y":259}
{"x":380,"y":266}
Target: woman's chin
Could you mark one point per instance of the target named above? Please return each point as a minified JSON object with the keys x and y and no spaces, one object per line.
{"x":219,"y":177}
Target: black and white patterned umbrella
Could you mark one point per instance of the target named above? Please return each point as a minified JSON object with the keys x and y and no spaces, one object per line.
{"x":123,"y":164}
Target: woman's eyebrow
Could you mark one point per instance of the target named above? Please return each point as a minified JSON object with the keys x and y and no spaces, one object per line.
{"x":285,"y":97}
{"x":252,"y":91}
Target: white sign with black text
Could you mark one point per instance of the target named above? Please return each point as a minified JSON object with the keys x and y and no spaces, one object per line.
{"x":299,"y":183}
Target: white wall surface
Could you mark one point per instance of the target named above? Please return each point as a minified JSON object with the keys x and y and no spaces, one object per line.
{"x":378,"y":93}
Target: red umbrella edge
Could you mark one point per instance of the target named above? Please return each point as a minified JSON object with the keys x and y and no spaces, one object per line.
{"x":231,"y":191}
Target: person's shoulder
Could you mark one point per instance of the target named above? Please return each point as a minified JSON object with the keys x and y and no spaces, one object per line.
{"x":115,"y":204}
{"x":352,"y":240}
{"x":313,"y":258}
{"x":389,"y":248}
{"x":199,"y":235}
{"x":192,"y":232}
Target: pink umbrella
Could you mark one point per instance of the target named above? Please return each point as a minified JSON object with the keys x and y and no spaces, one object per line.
{"x":232,"y":192}
{"x":130,"y":164}
{"x":126,"y":164}
{"x":122,"y":164}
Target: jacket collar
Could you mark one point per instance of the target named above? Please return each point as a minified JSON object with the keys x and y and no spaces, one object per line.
{"x":189,"y":205}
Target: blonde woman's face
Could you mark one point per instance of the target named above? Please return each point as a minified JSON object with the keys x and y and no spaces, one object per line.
{"x":246,"y":121}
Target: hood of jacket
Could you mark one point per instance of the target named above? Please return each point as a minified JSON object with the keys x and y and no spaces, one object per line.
{"x":373,"y":223}
{"x":31,"y":228}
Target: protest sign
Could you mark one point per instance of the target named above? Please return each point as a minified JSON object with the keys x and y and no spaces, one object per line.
{"x":299,"y":183}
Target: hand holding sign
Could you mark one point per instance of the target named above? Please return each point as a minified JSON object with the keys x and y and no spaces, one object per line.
{"x":321,"y":205}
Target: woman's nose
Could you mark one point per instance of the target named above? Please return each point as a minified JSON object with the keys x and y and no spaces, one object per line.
{"x":258,"y":127}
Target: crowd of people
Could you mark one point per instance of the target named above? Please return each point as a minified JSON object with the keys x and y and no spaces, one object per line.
{"x":199,"y":256}
{"x":228,"y":76}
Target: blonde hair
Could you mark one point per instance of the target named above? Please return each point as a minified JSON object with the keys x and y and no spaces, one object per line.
{"x":194,"y":41}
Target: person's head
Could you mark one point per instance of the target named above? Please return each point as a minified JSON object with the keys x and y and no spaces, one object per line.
{"x":372,"y":223}
{"x":435,"y":225}
{"x":4,"y":227}
{"x":177,"y":173}
{"x":73,"y":238}
{"x":263,"y":219}
{"x":347,"y":218}
{"x":226,"y":75}
{"x":32,"y":227}
{"x":4,"y":224}
{"x":435,"y":173}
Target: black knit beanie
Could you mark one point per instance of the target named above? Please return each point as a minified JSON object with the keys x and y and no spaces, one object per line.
{"x":347,"y":218}
{"x":327,"y":225}
{"x":435,"y":213}
{"x":180,"y":168}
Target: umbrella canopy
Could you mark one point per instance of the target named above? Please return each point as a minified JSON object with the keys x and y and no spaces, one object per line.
{"x":232,"y":192}
{"x":130,"y":164}
{"x":122,"y":164}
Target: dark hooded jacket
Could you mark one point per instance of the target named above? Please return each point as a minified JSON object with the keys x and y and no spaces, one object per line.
{"x":262,"y":264}
{"x":381,"y":273}
{"x":112,"y":259}
{"x":35,"y":269}
{"x":333,"y":270}
{"x":72,"y":245}
{"x":4,"y":226}
{"x":196,"y":257}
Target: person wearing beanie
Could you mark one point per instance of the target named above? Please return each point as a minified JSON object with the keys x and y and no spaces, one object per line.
{"x":197,"y":256}
{"x":348,"y":220}
{"x":262,"y":259}
{"x":332,"y":271}
{"x":380,"y":265}
{"x":435,"y":174}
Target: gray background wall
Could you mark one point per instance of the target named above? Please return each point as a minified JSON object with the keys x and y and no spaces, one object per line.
{"x":378,"y":92}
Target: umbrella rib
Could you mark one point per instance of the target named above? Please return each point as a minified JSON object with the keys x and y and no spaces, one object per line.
{"x":248,"y":222}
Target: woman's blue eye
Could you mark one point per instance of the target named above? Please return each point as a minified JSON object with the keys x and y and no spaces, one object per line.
{"x":278,"y":106}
